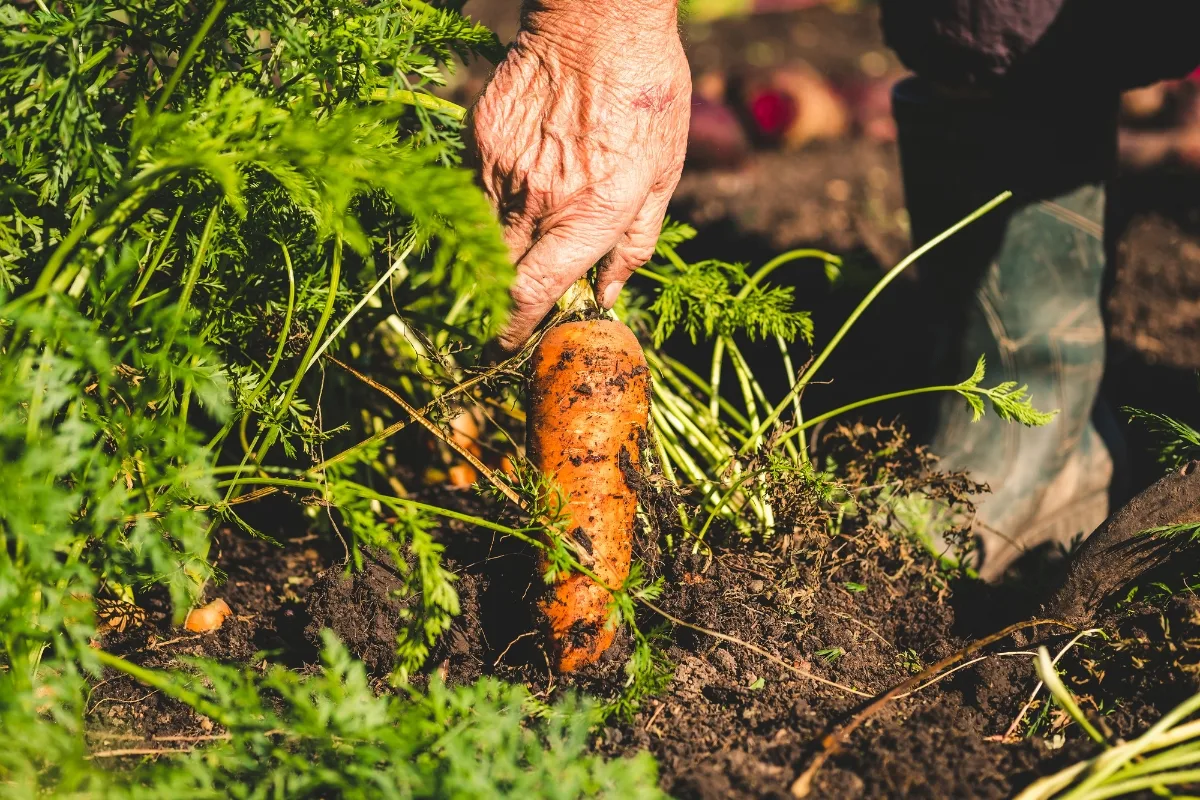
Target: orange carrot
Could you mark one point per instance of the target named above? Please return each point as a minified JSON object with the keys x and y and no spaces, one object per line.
{"x":207,"y":618}
{"x":589,"y":402}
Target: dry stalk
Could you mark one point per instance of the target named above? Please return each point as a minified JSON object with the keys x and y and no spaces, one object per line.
{"x":832,"y":742}
{"x":774,"y":659}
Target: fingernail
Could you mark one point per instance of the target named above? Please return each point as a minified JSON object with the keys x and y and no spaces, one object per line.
{"x":610,"y":294}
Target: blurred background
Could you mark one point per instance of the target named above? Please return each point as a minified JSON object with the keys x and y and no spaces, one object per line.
{"x":793,"y":145}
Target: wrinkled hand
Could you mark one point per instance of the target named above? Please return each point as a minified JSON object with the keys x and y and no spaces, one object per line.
{"x":579,"y":139}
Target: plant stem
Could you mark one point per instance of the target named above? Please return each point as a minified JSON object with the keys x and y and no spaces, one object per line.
{"x":144,"y":280}
{"x":283,"y":334}
{"x":717,"y":508}
{"x":714,"y":380}
{"x":669,"y":366}
{"x":790,"y":371}
{"x":809,"y":373}
{"x":193,"y":274}
{"x":1049,"y":675}
{"x":185,"y":60}
{"x":680,"y":420}
{"x":1108,"y":763}
{"x":335,"y":277}
{"x":362,"y":302}
{"x":426,"y":101}
{"x":647,"y":273}
{"x":806,"y":424}
{"x":784,"y":258}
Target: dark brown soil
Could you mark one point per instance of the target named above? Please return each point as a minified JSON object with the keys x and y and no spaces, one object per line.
{"x":265,"y":585}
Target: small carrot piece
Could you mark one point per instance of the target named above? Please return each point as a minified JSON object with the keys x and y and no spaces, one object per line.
{"x":589,"y":404}
{"x":207,"y":618}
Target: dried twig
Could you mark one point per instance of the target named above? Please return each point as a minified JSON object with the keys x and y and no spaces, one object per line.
{"x":832,"y":741}
{"x":138,"y":751}
{"x":424,"y":422}
{"x":774,"y":659}
{"x":133,"y":737}
{"x":1010,"y":734}
{"x":971,"y":663}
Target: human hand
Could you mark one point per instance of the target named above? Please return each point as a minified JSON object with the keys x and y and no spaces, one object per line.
{"x":579,"y":139}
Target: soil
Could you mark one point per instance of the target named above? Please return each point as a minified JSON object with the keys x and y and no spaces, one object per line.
{"x":862,"y":609}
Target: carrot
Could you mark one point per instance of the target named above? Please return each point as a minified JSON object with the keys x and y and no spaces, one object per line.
{"x":589,"y":401}
{"x":207,"y":618}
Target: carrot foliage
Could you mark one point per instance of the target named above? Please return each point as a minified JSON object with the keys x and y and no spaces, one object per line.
{"x":199,"y":204}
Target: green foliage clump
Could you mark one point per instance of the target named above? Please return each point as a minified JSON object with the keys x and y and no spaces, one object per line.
{"x":1178,"y":442}
{"x":199,"y":205}
{"x":189,"y":203}
{"x":702,"y":301}
{"x":329,"y":734}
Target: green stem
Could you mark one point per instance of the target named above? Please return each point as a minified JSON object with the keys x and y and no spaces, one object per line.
{"x":1174,"y":758}
{"x":1130,"y":787}
{"x":817,"y":420}
{"x":809,"y":373}
{"x":185,"y":60}
{"x":681,"y":421}
{"x":184,"y":402}
{"x":784,"y":258}
{"x":790,"y":371}
{"x":1108,"y":763}
{"x":665,"y":462}
{"x":371,"y":494}
{"x":426,"y":101}
{"x":335,"y":277}
{"x":101,"y":210}
{"x":674,"y":258}
{"x":362,"y":302}
{"x":668,"y":365}
{"x":291,"y":483}
{"x":712,"y":515}
{"x":714,"y":380}
{"x":1062,"y":695}
{"x":193,"y":274}
{"x":144,"y":281}
{"x":35,"y":399}
{"x":651,"y":274}
{"x":283,"y":335}
{"x":677,"y":454}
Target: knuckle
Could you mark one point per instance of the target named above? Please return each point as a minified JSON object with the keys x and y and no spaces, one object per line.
{"x":637,"y":253}
{"x":532,"y":290}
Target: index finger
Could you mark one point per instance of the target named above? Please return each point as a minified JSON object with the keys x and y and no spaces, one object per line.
{"x":557,"y":259}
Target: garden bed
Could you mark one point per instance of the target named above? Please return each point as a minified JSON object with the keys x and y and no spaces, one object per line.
{"x":766,"y":615}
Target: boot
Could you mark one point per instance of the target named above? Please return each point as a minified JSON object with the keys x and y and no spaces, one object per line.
{"x":1021,"y":287}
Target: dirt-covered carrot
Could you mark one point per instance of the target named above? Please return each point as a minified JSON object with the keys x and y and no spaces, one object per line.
{"x":589,"y":400}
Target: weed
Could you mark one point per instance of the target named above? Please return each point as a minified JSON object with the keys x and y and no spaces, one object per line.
{"x":1177,"y":441}
{"x":830,"y":654}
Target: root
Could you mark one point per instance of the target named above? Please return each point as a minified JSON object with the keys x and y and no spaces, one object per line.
{"x":832,"y":742}
{"x":1120,"y":550}
{"x":774,"y":659}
